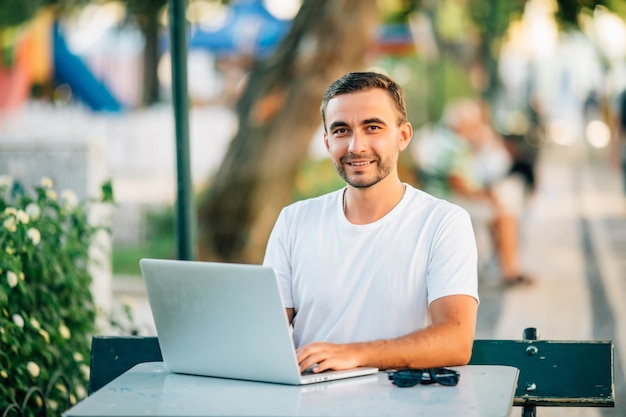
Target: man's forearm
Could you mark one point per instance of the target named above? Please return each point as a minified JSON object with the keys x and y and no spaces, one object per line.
{"x":437,"y":345}
{"x":447,"y":342}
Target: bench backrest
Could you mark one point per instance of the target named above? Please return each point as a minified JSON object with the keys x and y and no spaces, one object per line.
{"x":554,"y":373}
{"x":111,"y":356}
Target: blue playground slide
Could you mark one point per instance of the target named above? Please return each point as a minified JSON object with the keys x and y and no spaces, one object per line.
{"x":70,"y":69}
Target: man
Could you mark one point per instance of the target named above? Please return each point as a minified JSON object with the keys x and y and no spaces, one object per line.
{"x":362,"y":268}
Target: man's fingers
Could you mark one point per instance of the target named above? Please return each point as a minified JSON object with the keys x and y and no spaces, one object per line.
{"x":311,"y":355}
{"x":325,"y":356}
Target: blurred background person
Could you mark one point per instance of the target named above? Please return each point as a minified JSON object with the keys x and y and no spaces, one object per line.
{"x":465,"y":160}
{"x":618,"y":141}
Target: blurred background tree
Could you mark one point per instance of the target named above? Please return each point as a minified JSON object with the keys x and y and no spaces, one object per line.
{"x":147,"y":14}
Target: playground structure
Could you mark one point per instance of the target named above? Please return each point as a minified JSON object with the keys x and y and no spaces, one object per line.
{"x":41,"y":58}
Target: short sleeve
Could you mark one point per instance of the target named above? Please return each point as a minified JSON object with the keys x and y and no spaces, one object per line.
{"x":277,"y":257}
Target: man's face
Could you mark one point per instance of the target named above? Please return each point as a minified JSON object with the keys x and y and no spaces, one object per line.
{"x":363,"y":136}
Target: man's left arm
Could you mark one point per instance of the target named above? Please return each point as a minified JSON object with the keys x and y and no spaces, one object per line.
{"x":446,"y":342}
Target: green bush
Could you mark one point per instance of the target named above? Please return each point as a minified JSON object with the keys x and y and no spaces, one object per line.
{"x":47,"y":313}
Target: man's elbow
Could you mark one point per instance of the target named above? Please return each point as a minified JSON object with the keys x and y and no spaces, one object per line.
{"x":462,"y":354}
{"x":464,"y":357}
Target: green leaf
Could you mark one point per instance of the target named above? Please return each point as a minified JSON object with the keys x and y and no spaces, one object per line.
{"x":107,"y":192}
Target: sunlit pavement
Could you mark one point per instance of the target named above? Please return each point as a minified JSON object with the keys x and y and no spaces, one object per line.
{"x":573,"y":245}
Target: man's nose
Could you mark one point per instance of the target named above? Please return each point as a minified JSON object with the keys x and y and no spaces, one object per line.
{"x":358,"y":142}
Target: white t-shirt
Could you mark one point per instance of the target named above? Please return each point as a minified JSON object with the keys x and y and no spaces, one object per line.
{"x":350,"y":283}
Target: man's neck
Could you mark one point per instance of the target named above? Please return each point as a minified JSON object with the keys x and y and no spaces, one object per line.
{"x":367,"y":205}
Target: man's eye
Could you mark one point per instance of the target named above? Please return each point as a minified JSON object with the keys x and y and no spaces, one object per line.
{"x":373,"y":127}
{"x":341,"y":131}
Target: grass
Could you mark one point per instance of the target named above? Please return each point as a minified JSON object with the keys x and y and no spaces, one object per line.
{"x":126,"y":258}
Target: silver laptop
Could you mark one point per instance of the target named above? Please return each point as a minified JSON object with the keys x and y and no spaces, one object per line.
{"x":225,"y":320}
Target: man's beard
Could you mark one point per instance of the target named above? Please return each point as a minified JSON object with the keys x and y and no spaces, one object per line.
{"x":365,"y":180}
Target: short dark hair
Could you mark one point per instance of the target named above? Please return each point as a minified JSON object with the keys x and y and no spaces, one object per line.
{"x":358,"y":81}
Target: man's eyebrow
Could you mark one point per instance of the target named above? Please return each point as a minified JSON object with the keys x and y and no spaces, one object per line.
{"x":337,"y":124}
{"x":374,"y":120}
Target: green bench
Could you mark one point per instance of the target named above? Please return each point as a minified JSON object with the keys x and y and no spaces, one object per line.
{"x":552,"y":373}
{"x":111,"y":356}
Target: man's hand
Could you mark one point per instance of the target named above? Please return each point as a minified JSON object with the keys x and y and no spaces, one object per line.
{"x":328,"y":356}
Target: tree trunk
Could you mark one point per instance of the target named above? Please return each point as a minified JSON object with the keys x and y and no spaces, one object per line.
{"x":150,"y":29}
{"x":278,"y":115}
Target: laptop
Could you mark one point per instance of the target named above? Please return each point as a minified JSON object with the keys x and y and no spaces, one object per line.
{"x":225,"y":320}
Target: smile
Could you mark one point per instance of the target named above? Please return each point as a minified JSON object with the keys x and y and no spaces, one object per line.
{"x":360,"y":164}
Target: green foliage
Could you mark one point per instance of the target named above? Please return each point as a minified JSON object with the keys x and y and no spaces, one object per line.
{"x":568,"y":11}
{"x":618,"y":7}
{"x":396,"y":11}
{"x":493,"y":17}
{"x":145,"y":8}
{"x":47,"y":313}
{"x":15,"y":12}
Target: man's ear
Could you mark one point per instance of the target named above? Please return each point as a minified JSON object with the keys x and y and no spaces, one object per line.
{"x":326,"y":141}
{"x":406,"y":133}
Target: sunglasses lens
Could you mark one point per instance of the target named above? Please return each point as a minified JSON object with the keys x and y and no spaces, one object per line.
{"x":446,"y":377}
{"x":405,"y":378}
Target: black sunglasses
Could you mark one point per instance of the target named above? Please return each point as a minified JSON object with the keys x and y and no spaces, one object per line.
{"x":410,"y":377}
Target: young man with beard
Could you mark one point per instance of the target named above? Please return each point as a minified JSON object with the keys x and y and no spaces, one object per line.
{"x":377,"y":273}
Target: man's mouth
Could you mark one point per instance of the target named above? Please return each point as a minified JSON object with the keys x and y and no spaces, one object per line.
{"x":359,"y":163}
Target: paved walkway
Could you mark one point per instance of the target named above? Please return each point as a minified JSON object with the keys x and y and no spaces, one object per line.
{"x":574,"y":245}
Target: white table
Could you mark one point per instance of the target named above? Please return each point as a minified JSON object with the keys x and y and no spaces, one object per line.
{"x":149,"y":389}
